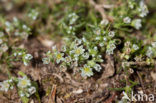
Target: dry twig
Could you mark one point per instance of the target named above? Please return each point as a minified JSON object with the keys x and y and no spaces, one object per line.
{"x":52,"y":95}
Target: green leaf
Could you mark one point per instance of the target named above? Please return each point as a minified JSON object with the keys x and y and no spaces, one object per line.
{"x":21,"y":73}
{"x":36,"y":94}
{"x":24,"y":99}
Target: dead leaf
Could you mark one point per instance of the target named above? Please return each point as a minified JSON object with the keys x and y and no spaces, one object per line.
{"x":153,"y":76}
{"x":109,"y":67}
{"x":45,"y":41}
{"x":79,"y":91}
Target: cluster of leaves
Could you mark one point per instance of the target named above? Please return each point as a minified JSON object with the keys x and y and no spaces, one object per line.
{"x":12,"y":32}
{"x":16,"y":28}
{"x":129,"y":14}
{"x":85,"y":53}
{"x":3,"y":43}
{"x":20,"y":54}
{"x":87,"y":39}
{"x":25,"y":87}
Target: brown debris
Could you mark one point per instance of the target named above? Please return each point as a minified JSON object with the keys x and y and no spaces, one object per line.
{"x":109,"y":67}
{"x":53,"y":95}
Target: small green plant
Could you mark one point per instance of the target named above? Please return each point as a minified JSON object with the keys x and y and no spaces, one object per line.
{"x":33,"y":14}
{"x":86,"y":41}
{"x":11,"y":33}
{"x":24,"y":85}
{"x":91,"y":34}
{"x":16,"y":28}
{"x":20,"y":54}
